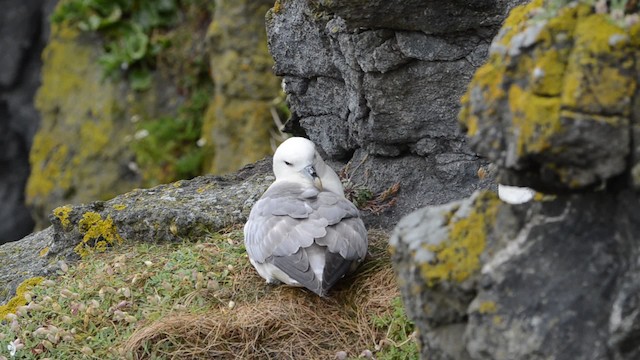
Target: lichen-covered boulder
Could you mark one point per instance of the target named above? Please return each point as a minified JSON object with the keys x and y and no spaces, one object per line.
{"x":548,"y":279}
{"x":239,"y":122}
{"x":181,"y":211}
{"x":555,"y":101}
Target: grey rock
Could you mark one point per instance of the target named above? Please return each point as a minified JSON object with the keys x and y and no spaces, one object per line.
{"x":432,"y":17}
{"x":21,"y":260}
{"x":539,"y":291}
{"x":378,"y":83}
{"x":566,"y":134}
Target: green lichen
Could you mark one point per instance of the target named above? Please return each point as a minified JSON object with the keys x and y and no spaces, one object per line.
{"x":458,"y":257}
{"x":238,"y":123}
{"x":62,"y":213}
{"x":98,"y":234}
{"x":19,"y":300}
{"x":78,"y":133}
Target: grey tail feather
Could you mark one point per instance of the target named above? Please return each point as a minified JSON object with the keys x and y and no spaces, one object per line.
{"x":335,"y":269}
{"x":297,"y":267}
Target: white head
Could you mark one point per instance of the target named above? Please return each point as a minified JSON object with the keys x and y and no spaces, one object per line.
{"x":297,"y":160}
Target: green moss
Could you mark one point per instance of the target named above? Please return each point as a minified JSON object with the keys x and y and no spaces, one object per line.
{"x":98,"y":234}
{"x":77,"y":130}
{"x":458,"y":257}
{"x":19,"y":300}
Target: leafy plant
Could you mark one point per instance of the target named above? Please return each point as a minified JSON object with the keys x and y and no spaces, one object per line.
{"x":130,"y":29}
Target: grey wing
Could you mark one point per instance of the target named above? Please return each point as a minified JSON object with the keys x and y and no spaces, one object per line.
{"x":271,"y":231}
{"x":298,"y":267}
{"x":346,"y":234}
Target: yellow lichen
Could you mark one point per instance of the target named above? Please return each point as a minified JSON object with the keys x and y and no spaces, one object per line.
{"x":277,"y":7}
{"x":547,"y":73}
{"x":517,"y":19}
{"x":487,"y":307}
{"x":536,"y":119}
{"x":98,"y":234}
{"x":458,"y":257}
{"x":44,"y":251}
{"x":19,"y":300}
{"x":119,"y":207}
{"x":62,"y":213}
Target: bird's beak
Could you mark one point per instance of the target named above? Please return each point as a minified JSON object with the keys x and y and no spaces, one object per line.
{"x":311,"y":172}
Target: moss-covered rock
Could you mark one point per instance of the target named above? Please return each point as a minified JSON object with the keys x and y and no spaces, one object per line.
{"x":82,"y":150}
{"x":239,"y":120}
{"x":553,"y":95}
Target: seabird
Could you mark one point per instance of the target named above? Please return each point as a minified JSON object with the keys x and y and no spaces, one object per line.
{"x":303,"y":231}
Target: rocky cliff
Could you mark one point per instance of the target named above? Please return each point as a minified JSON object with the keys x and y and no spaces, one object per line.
{"x":376,"y":85}
{"x":556,"y":108}
{"x":23,"y":33}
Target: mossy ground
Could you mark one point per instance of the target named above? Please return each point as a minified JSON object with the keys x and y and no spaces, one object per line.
{"x":204,"y":300}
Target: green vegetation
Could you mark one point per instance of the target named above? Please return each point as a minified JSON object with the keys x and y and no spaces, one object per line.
{"x":203,"y":300}
{"x":145,"y":40}
{"x":168,"y":149}
{"x":400,"y":328}
{"x":129,"y":29}
{"x":134,"y":32}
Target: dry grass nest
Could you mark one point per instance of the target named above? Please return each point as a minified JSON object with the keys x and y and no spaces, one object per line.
{"x":265,"y":321}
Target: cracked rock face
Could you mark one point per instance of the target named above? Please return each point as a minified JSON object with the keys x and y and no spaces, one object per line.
{"x":378,"y":82}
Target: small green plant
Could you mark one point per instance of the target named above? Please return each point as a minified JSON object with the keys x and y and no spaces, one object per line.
{"x":400,"y":340}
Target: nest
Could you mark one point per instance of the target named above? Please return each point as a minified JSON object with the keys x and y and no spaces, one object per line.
{"x":275,"y":322}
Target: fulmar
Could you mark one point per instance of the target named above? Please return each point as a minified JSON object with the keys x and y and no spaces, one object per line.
{"x":303,"y":231}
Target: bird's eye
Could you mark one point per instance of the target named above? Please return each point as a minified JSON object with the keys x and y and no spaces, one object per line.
{"x":288,"y":163}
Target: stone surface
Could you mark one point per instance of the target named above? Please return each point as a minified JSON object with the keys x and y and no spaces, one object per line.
{"x":556,"y":277}
{"x":534,"y":290}
{"x":181,"y":211}
{"x":376,"y":85}
{"x":23,"y":33}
